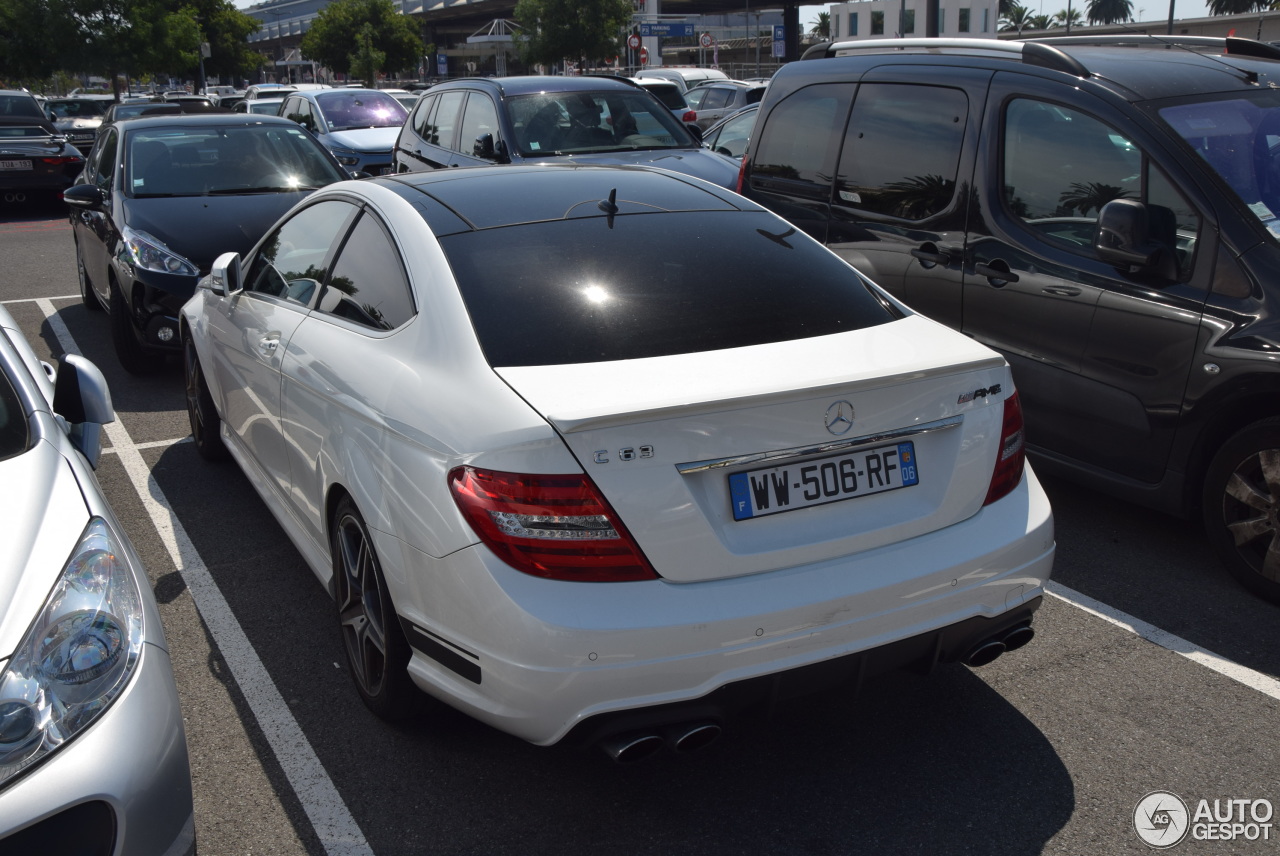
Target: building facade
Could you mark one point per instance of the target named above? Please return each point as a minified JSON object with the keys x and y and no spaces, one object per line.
{"x":880,"y":19}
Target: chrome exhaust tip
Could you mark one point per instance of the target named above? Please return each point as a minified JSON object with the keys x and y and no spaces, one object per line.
{"x":984,"y":653}
{"x":630,"y":748}
{"x":692,"y":736}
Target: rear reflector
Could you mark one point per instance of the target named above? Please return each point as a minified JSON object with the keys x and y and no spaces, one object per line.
{"x":553,"y":526}
{"x":1012,"y":455}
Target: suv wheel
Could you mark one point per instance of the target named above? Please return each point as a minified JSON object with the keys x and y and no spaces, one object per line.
{"x":1241,"y":506}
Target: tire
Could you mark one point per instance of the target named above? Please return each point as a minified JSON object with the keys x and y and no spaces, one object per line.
{"x":1241,"y":507}
{"x":87,"y":297}
{"x":206,"y":424}
{"x":376,"y":651}
{"x":135,"y":359}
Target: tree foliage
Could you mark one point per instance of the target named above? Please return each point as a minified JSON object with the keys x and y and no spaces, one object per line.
{"x":1017,"y":19}
{"x":366,"y":60}
{"x":1109,"y":11}
{"x":334,"y":35}
{"x":109,"y":37}
{"x":1237,"y":7}
{"x":822,"y":27}
{"x":554,"y":30}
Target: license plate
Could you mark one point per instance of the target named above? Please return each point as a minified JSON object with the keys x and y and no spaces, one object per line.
{"x":15,"y":164}
{"x":386,"y":170}
{"x":758,"y":493}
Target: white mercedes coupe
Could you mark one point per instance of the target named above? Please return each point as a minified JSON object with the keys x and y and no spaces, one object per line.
{"x":602,"y":455}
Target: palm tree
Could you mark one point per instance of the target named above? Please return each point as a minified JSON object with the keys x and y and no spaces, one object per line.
{"x":822,"y":26}
{"x":1062,"y":18}
{"x":1084,"y":197}
{"x":1237,"y":7}
{"x":1041,"y":22}
{"x":1018,"y":18}
{"x":1110,"y":11}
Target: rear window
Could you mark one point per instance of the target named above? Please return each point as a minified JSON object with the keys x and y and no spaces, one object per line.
{"x":650,"y":285}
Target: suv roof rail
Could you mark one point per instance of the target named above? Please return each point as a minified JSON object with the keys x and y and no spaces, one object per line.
{"x":1230,"y":45}
{"x":1030,"y":52}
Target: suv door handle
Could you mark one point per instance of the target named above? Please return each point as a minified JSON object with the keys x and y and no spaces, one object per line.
{"x":997,"y":276}
{"x":1062,"y":290}
{"x":931,"y":254}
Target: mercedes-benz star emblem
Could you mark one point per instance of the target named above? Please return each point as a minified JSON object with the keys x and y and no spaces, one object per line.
{"x":840,"y":417}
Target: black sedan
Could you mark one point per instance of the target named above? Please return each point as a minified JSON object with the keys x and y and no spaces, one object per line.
{"x":162,"y":196}
{"x":34,"y":157}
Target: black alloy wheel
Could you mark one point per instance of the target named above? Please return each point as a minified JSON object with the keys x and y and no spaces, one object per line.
{"x":87,"y":297}
{"x":206,"y":424}
{"x":1241,"y":507}
{"x":376,"y":651}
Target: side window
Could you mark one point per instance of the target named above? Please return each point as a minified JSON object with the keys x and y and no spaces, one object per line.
{"x":715,"y":99}
{"x":369,"y":285}
{"x":809,"y":156}
{"x":480,"y":117}
{"x":299,"y":110}
{"x":290,"y":264}
{"x":1061,"y":166}
{"x":104,"y":161}
{"x":421,"y":115}
{"x":902,"y":150}
{"x":445,"y":120}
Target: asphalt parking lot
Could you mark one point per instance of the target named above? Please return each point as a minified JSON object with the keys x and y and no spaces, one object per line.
{"x":1151,"y":671}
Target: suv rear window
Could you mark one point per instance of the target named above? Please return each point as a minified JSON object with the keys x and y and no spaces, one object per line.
{"x":577,"y":291}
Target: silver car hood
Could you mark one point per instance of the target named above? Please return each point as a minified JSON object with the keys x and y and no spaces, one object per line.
{"x":40,"y":525}
{"x":365,"y":139}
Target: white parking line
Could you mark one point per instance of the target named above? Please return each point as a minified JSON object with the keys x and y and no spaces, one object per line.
{"x":329,"y":816}
{"x":1264,"y":684}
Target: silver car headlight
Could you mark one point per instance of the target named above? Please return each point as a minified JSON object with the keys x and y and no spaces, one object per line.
{"x":76,"y":658}
{"x":150,"y":253}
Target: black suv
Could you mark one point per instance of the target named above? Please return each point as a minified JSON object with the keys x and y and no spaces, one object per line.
{"x":596,"y":120}
{"x":1101,"y":210}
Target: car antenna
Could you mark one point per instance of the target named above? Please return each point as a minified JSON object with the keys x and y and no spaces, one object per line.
{"x":610,"y":205}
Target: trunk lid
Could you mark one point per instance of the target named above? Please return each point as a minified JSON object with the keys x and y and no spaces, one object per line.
{"x":676,"y":443}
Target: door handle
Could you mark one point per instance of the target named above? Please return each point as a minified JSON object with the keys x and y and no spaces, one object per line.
{"x":269,"y":344}
{"x":931,"y":254}
{"x":997,"y":273}
{"x":1062,"y":290}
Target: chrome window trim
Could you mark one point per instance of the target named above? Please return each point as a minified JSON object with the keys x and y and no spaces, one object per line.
{"x":821,"y":448}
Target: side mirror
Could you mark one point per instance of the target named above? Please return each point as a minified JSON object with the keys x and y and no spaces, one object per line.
{"x":695,"y":130}
{"x":82,"y":399}
{"x":1128,"y":235}
{"x":483,"y":147}
{"x":224,"y":276}
{"x":88,"y":196}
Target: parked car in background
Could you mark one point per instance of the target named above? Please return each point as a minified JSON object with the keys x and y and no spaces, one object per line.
{"x":34,"y":158}
{"x":267,"y":90}
{"x":511,"y":120}
{"x":359,"y":126}
{"x":731,"y":134}
{"x":670,"y":94}
{"x":259,"y":106}
{"x":20,"y":104}
{"x":715,"y":100}
{"x":404,"y":96}
{"x":685,"y":77}
{"x":93,"y":756}
{"x":1104,"y":211}
{"x":161,"y":196}
{"x":583,"y":502}
{"x":78,"y":118}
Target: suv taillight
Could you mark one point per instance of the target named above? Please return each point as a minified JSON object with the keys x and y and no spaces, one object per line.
{"x":1012,"y":455}
{"x":689,"y":117}
{"x":553,"y":526}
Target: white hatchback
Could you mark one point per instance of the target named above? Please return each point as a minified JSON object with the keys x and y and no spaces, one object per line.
{"x":582,"y":490}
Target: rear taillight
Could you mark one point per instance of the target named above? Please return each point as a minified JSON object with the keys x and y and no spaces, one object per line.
{"x":689,"y":117}
{"x":1012,"y":455}
{"x":553,"y":526}
{"x":61,"y":161}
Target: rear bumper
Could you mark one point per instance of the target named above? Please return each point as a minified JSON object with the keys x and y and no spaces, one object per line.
{"x":543,"y":659}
